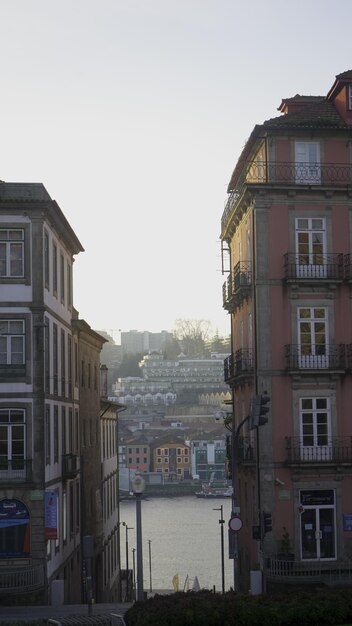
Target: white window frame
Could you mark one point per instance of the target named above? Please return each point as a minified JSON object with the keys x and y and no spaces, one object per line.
{"x":350,"y":97}
{"x":307,"y":163}
{"x":315,"y":429}
{"x":311,"y":255}
{"x":16,"y":419}
{"x":8,"y":245}
{"x":9,"y":335}
{"x":314,"y":357}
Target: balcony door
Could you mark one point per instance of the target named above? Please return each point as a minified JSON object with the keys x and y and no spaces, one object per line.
{"x":318,"y":534}
{"x":310,"y":248}
{"x":316,"y":443}
{"x":307,"y":163}
{"x":312,"y":338}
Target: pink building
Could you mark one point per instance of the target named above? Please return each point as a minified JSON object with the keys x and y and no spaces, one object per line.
{"x":286,"y":237}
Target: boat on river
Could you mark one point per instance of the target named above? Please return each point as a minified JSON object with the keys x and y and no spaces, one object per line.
{"x":210,"y":490}
{"x":215,"y":492}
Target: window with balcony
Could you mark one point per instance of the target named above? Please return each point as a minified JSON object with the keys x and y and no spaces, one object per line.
{"x":311,"y":248}
{"x":11,"y":253}
{"x":312,"y":337}
{"x":12,"y":346}
{"x":315,"y":425}
{"x":12,"y":443}
{"x":307,"y":162}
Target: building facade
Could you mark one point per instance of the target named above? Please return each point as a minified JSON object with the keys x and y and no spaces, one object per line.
{"x":286,"y":235}
{"x":38,"y":396}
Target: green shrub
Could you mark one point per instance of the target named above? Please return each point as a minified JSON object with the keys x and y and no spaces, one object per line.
{"x":204,"y":608}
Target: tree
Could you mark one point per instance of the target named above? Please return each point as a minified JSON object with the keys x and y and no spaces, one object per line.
{"x":192,"y":335}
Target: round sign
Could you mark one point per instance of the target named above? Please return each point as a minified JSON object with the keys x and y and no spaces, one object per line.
{"x":235,"y":523}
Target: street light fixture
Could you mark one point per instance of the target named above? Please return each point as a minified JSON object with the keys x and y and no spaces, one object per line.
{"x":138,"y":486}
{"x":127,"y":568}
{"x":222,"y":521}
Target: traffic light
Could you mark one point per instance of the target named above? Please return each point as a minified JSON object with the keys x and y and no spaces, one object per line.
{"x":267,"y":523}
{"x":258,"y":410}
{"x":264,"y":400}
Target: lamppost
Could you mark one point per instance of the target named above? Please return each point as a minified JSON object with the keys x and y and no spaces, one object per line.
{"x":222,"y":521}
{"x":127,"y":568}
{"x":138,"y":486}
{"x":134,"y":572}
{"x":150,"y":564}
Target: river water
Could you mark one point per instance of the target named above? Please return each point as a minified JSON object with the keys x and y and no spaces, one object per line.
{"x":185,"y":536}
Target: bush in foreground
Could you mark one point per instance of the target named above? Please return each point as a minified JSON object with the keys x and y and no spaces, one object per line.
{"x":204,"y":608}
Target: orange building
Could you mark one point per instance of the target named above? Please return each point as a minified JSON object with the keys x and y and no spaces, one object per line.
{"x":286,"y":235}
{"x":171,"y":457}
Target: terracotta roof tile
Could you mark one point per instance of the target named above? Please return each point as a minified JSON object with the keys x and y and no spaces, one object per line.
{"x":321,"y":114}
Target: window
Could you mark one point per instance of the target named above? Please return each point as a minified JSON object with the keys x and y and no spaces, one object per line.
{"x":69,"y":285}
{"x":312,"y":337}
{"x":12,"y":335}
{"x":89,"y":375}
{"x":11,"y":253}
{"x":316,"y":443}
{"x":179,"y":460}
{"x":47,"y":356}
{"x":62,"y":278}
{"x":55,"y":358}
{"x":46,"y":259}
{"x":69,"y":365}
{"x":63,"y":362}
{"x":158,"y":459}
{"x":47,"y":435}
{"x":56,"y":433}
{"x":54,"y":268}
{"x":311,"y":248}
{"x":307,"y":162}
{"x":83,"y":373}
{"x":63,"y":429}
{"x":12,"y":441}
{"x":350,"y":97}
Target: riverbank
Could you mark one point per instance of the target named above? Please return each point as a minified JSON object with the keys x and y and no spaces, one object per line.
{"x":169,"y":490}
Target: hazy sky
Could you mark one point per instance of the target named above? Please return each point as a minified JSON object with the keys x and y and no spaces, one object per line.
{"x":132,"y":113}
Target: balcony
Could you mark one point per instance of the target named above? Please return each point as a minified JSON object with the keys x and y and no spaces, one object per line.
{"x":313,"y":268}
{"x":329,"y":359}
{"x":348,"y":266}
{"x":70,"y":466}
{"x":238,"y":285}
{"x":330,"y":451}
{"x":15,"y":471}
{"x":286,"y":174}
{"x":12,"y":371}
{"x":20,"y":579}
{"x":238,"y":367}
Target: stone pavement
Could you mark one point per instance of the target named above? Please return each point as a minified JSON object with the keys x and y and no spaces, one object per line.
{"x":29,"y":613}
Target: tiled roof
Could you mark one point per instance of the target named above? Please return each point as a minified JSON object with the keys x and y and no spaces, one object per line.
{"x":347,"y":74}
{"x":321,"y":114}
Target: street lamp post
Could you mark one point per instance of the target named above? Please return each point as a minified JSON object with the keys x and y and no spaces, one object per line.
{"x":150,"y":564}
{"x":222,"y":521}
{"x":138,"y":486}
{"x":134,"y":571}
{"x":127,"y":568}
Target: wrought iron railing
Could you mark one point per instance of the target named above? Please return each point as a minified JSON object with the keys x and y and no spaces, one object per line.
{"x":22,"y":579}
{"x":328,"y":571}
{"x":242,"y":275}
{"x":287,"y":173}
{"x":70,"y":466}
{"x":313,"y":266}
{"x":15,"y":470}
{"x":325,"y":450}
{"x":239,"y":364}
{"x":318,"y":357}
{"x":348,"y":266}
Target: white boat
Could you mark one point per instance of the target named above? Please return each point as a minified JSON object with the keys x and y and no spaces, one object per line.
{"x":209,"y":490}
{"x":219,"y":492}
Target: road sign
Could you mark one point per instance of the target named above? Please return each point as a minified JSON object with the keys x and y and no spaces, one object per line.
{"x":235,"y":523}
